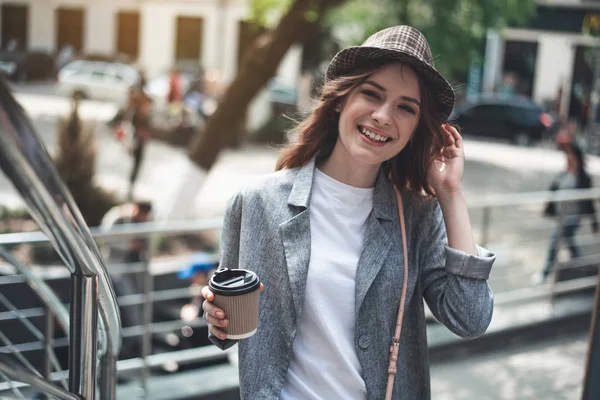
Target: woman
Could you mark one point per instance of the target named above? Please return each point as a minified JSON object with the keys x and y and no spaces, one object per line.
{"x":323,"y":234}
{"x":570,"y":212}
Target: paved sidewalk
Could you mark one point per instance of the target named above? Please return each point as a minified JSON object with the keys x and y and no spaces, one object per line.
{"x":549,"y":370}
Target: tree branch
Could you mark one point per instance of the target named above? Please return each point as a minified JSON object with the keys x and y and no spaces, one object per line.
{"x":257,"y":68}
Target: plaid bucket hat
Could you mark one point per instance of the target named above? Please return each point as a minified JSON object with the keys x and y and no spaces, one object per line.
{"x":399,"y":43}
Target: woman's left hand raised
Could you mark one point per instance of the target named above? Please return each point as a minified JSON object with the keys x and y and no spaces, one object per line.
{"x":445,"y":173}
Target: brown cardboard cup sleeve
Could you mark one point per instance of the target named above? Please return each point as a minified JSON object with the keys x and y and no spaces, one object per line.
{"x":236,"y":293}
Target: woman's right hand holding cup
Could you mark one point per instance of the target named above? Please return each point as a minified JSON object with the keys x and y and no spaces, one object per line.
{"x":214,"y":316}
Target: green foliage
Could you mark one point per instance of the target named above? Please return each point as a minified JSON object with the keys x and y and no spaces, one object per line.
{"x":14,"y":220}
{"x":7,"y":213}
{"x":455,"y":29}
{"x":266,"y":13}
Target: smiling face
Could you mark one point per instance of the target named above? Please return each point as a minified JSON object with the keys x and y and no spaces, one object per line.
{"x":378,"y":117}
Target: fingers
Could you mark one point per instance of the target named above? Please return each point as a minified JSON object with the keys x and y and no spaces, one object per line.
{"x":211,"y":310}
{"x":451,"y":136}
{"x":217,"y":332}
{"x":218,"y":322}
{"x":214,"y":316}
{"x":207,"y":294}
{"x":451,"y":152}
{"x":456,"y":135}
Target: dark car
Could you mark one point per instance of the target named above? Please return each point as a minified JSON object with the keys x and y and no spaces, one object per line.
{"x":25,"y":66}
{"x":517,"y":119}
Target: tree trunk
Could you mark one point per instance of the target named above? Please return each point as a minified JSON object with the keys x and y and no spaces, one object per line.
{"x":260,"y":65}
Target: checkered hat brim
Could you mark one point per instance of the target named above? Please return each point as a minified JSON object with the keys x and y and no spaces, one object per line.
{"x":400,"y":43}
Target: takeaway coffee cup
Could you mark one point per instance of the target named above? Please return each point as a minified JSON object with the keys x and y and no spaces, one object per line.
{"x":236,"y":293}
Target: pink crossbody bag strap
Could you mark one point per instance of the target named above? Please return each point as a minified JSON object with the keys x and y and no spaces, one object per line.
{"x":396,"y":339}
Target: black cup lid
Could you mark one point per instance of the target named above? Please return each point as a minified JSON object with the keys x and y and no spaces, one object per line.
{"x":233,"y":282}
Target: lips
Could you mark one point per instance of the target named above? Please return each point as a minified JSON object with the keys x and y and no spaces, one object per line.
{"x":373,"y":135}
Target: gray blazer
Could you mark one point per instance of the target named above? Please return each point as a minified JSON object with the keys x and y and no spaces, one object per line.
{"x":267,"y":230}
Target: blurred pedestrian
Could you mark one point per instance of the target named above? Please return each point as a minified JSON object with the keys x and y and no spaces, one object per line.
{"x":74,"y":123}
{"x":175,"y":94}
{"x":128,"y":251}
{"x":195,"y":99}
{"x":342,"y":255}
{"x":568,"y":134}
{"x":143,"y":80}
{"x":569,"y":213}
{"x":141,"y":125}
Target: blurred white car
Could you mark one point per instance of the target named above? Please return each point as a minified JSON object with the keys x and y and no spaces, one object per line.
{"x":98,"y":80}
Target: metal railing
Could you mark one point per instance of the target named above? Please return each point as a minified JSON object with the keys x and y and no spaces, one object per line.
{"x":515,"y":222}
{"x":522,"y":208}
{"x":26,"y":162}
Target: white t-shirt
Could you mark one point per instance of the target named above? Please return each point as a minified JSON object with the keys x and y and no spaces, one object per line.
{"x":324,"y":364}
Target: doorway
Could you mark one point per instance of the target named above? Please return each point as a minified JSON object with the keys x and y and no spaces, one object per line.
{"x":14,"y":26}
{"x":188,"y":45}
{"x":69,"y":28}
{"x":128,"y":33}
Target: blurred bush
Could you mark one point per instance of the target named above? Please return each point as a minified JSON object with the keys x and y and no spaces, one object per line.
{"x":7,"y":214}
{"x":76,"y":164}
{"x":274,"y":131}
{"x":19,"y":220}
{"x":44,"y":253}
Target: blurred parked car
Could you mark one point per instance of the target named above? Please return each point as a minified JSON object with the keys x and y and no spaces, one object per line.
{"x":98,"y":79}
{"x":22,"y":66}
{"x":515,"y":118}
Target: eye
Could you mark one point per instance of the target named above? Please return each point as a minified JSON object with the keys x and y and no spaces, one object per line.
{"x":408,"y":109}
{"x":371,"y":94}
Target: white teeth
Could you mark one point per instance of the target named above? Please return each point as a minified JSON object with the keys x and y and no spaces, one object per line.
{"x":372,"y":135}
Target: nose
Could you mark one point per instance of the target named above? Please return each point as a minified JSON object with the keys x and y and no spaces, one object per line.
{"x":382,"y":115}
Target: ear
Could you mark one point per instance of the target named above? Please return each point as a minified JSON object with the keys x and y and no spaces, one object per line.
{"x":338,"y":106}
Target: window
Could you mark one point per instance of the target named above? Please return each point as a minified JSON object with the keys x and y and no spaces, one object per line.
{"x":128,"y":33}
{"x":69,"y":28}
{"x":14,"y":25}
{"x":188,"y":44}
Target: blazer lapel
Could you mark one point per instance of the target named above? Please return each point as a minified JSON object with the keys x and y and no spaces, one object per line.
{"x":379,"y":237}
{"x":295,"y":234}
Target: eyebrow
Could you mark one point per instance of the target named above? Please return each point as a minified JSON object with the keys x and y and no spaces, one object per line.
{"x":406,"y":98}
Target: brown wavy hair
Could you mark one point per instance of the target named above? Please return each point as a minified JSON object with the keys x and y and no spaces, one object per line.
{"x":318,"y":133}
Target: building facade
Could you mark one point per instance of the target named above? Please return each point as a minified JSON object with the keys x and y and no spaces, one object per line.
{"x":154,"y":34}
{"x":551,"y":59}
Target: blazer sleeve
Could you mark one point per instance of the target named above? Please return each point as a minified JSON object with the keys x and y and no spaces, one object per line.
{"x":230,"y":250}
{"x":455,"y":283}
